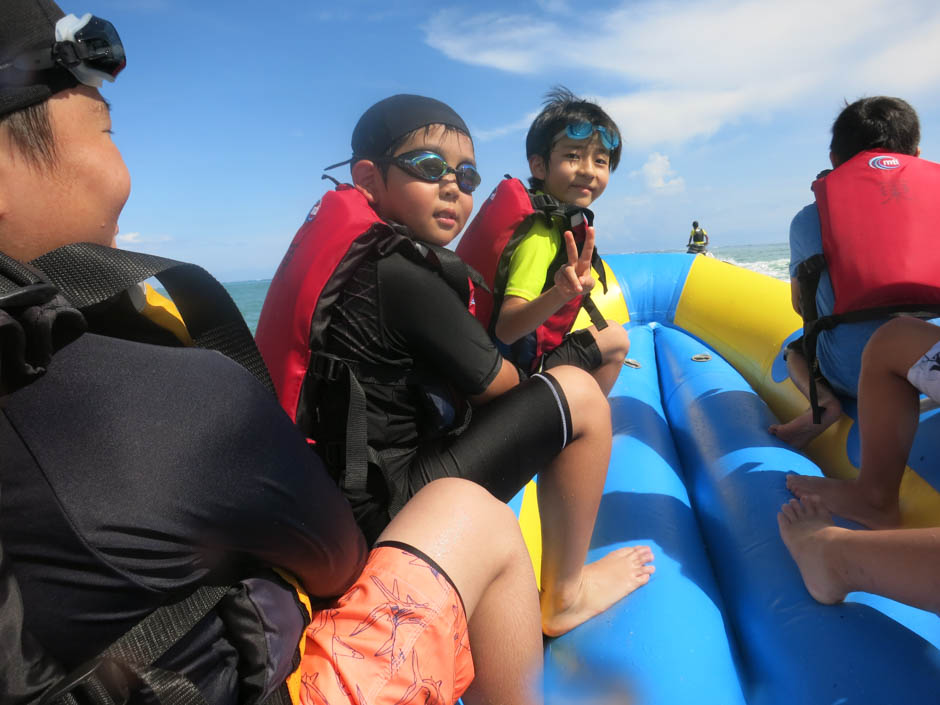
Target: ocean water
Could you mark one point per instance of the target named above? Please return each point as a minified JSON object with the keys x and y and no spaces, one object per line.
{"x":771,"y":260}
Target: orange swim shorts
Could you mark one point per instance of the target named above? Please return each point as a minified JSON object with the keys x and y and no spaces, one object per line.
{"x":398,"y":636}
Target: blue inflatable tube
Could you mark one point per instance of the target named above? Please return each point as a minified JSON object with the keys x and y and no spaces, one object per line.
{"x":795,"y":650}
{"x":679,"y":627}
{"x":695,"y":474}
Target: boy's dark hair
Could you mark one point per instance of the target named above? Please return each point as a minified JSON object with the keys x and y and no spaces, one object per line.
{"x":31,"y":134}
{"x":563,"y":107}
{"x":880,"y":122}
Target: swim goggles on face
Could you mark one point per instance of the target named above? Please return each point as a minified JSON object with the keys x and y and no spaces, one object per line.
{"x":89,"y":47}
{"x":582,"y":130}
{"x":430,"y":166}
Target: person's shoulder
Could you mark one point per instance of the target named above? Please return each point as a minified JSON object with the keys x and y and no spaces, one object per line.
{"x":543,"y":234}
{"x":806,"y":220}
{"x":407,"y":275}
{"x":397,"y":263}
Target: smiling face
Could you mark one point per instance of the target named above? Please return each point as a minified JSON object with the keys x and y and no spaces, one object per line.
{"x":577,"y":171}
{"x":76,"y":198}
{"x":435,"y":212}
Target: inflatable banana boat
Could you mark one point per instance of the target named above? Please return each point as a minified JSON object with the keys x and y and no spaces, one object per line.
{"x":695,"y":474}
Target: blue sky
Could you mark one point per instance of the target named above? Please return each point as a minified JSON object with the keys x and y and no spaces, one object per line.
{"x":227,"y":112}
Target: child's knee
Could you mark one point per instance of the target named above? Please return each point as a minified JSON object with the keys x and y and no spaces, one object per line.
{"x":581,"y":392}
{"x":484,"y":516}
{"x":613,"y":342}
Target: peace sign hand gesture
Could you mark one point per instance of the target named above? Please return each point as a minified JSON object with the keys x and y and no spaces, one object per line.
{"x":575,"y":277}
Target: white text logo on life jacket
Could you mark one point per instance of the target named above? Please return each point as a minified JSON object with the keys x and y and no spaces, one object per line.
{"x":313,"y":212}
{"x":884,"y":162}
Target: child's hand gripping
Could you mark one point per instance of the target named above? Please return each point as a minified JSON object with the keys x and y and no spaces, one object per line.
{"x":575,"y":277}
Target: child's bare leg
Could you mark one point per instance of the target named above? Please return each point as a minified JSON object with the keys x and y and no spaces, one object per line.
{"x":569,"y":493}
{"x":888,"y":414}
{"x":614,"y":344}
{"x":801,"y":430}
{"x":475,"y":539}
{"x":901,"y":564}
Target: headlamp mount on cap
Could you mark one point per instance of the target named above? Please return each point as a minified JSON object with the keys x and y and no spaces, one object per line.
{"x":88,"y":47}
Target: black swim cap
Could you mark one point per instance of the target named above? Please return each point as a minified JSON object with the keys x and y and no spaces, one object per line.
{"x":397,"y":116}
{"x":27,"y":25}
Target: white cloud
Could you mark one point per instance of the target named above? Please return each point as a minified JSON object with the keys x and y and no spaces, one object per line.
{"x":689,"y":69}
{"x":508,"y":42}
{"x":660,"y":177}
{"x":908,"y":64}
{"x":135,"y":239}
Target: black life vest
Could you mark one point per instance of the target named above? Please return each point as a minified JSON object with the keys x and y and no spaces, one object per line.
{"x":488,"y":244}
{"x":878,"y":216}
{"x":321,"y":392}
{"x":37,"y":320}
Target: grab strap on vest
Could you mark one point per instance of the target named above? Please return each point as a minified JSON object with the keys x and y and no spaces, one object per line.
{"x":89,"y":274}
{"x":355,"y":455}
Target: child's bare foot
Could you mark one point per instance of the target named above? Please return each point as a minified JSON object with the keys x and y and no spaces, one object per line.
{"x":806,"y":527}
{"x":603,"y":583}
{"x":848,"y":499}
{"x":801,"y":431}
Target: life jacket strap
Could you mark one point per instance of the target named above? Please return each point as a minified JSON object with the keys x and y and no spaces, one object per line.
{"x":89,"y":274}
{"x":107,"y":676}
{"x":594,"y":313}
{"x":808,"y":274}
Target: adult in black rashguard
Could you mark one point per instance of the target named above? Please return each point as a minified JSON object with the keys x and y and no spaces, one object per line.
{"x":132,"y":473}
{"x":199,"y":479}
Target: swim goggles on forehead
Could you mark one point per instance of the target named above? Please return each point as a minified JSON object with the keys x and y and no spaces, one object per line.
{"x":89,"y":47}
{"x":582,"y":130}
{"x":430,"y":166}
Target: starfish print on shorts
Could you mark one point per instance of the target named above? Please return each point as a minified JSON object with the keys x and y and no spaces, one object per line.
{"x":422,"y":691}
{"x":398,"y":611}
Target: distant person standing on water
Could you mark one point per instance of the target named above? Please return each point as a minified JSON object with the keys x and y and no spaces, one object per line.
{"x":698,"y":239}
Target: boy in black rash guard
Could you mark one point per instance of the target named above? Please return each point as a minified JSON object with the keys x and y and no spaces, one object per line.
{"x":128,"y":481}
{"x":413,"y":161}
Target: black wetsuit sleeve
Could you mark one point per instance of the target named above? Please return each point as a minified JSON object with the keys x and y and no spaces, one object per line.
{"x":431,"y":321}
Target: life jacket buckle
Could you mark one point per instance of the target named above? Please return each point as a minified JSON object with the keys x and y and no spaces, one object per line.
{"x":325,"y":367}
{"x":112,"y":686}
{"x":29,"y":295}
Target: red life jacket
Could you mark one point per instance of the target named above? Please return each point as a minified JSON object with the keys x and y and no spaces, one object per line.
{"x":340,"y":232}
{"x":877,"y":213}
{"x":490,"y":240}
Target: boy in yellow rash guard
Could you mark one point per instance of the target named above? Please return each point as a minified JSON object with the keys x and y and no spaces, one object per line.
{"x":572,"y":147}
